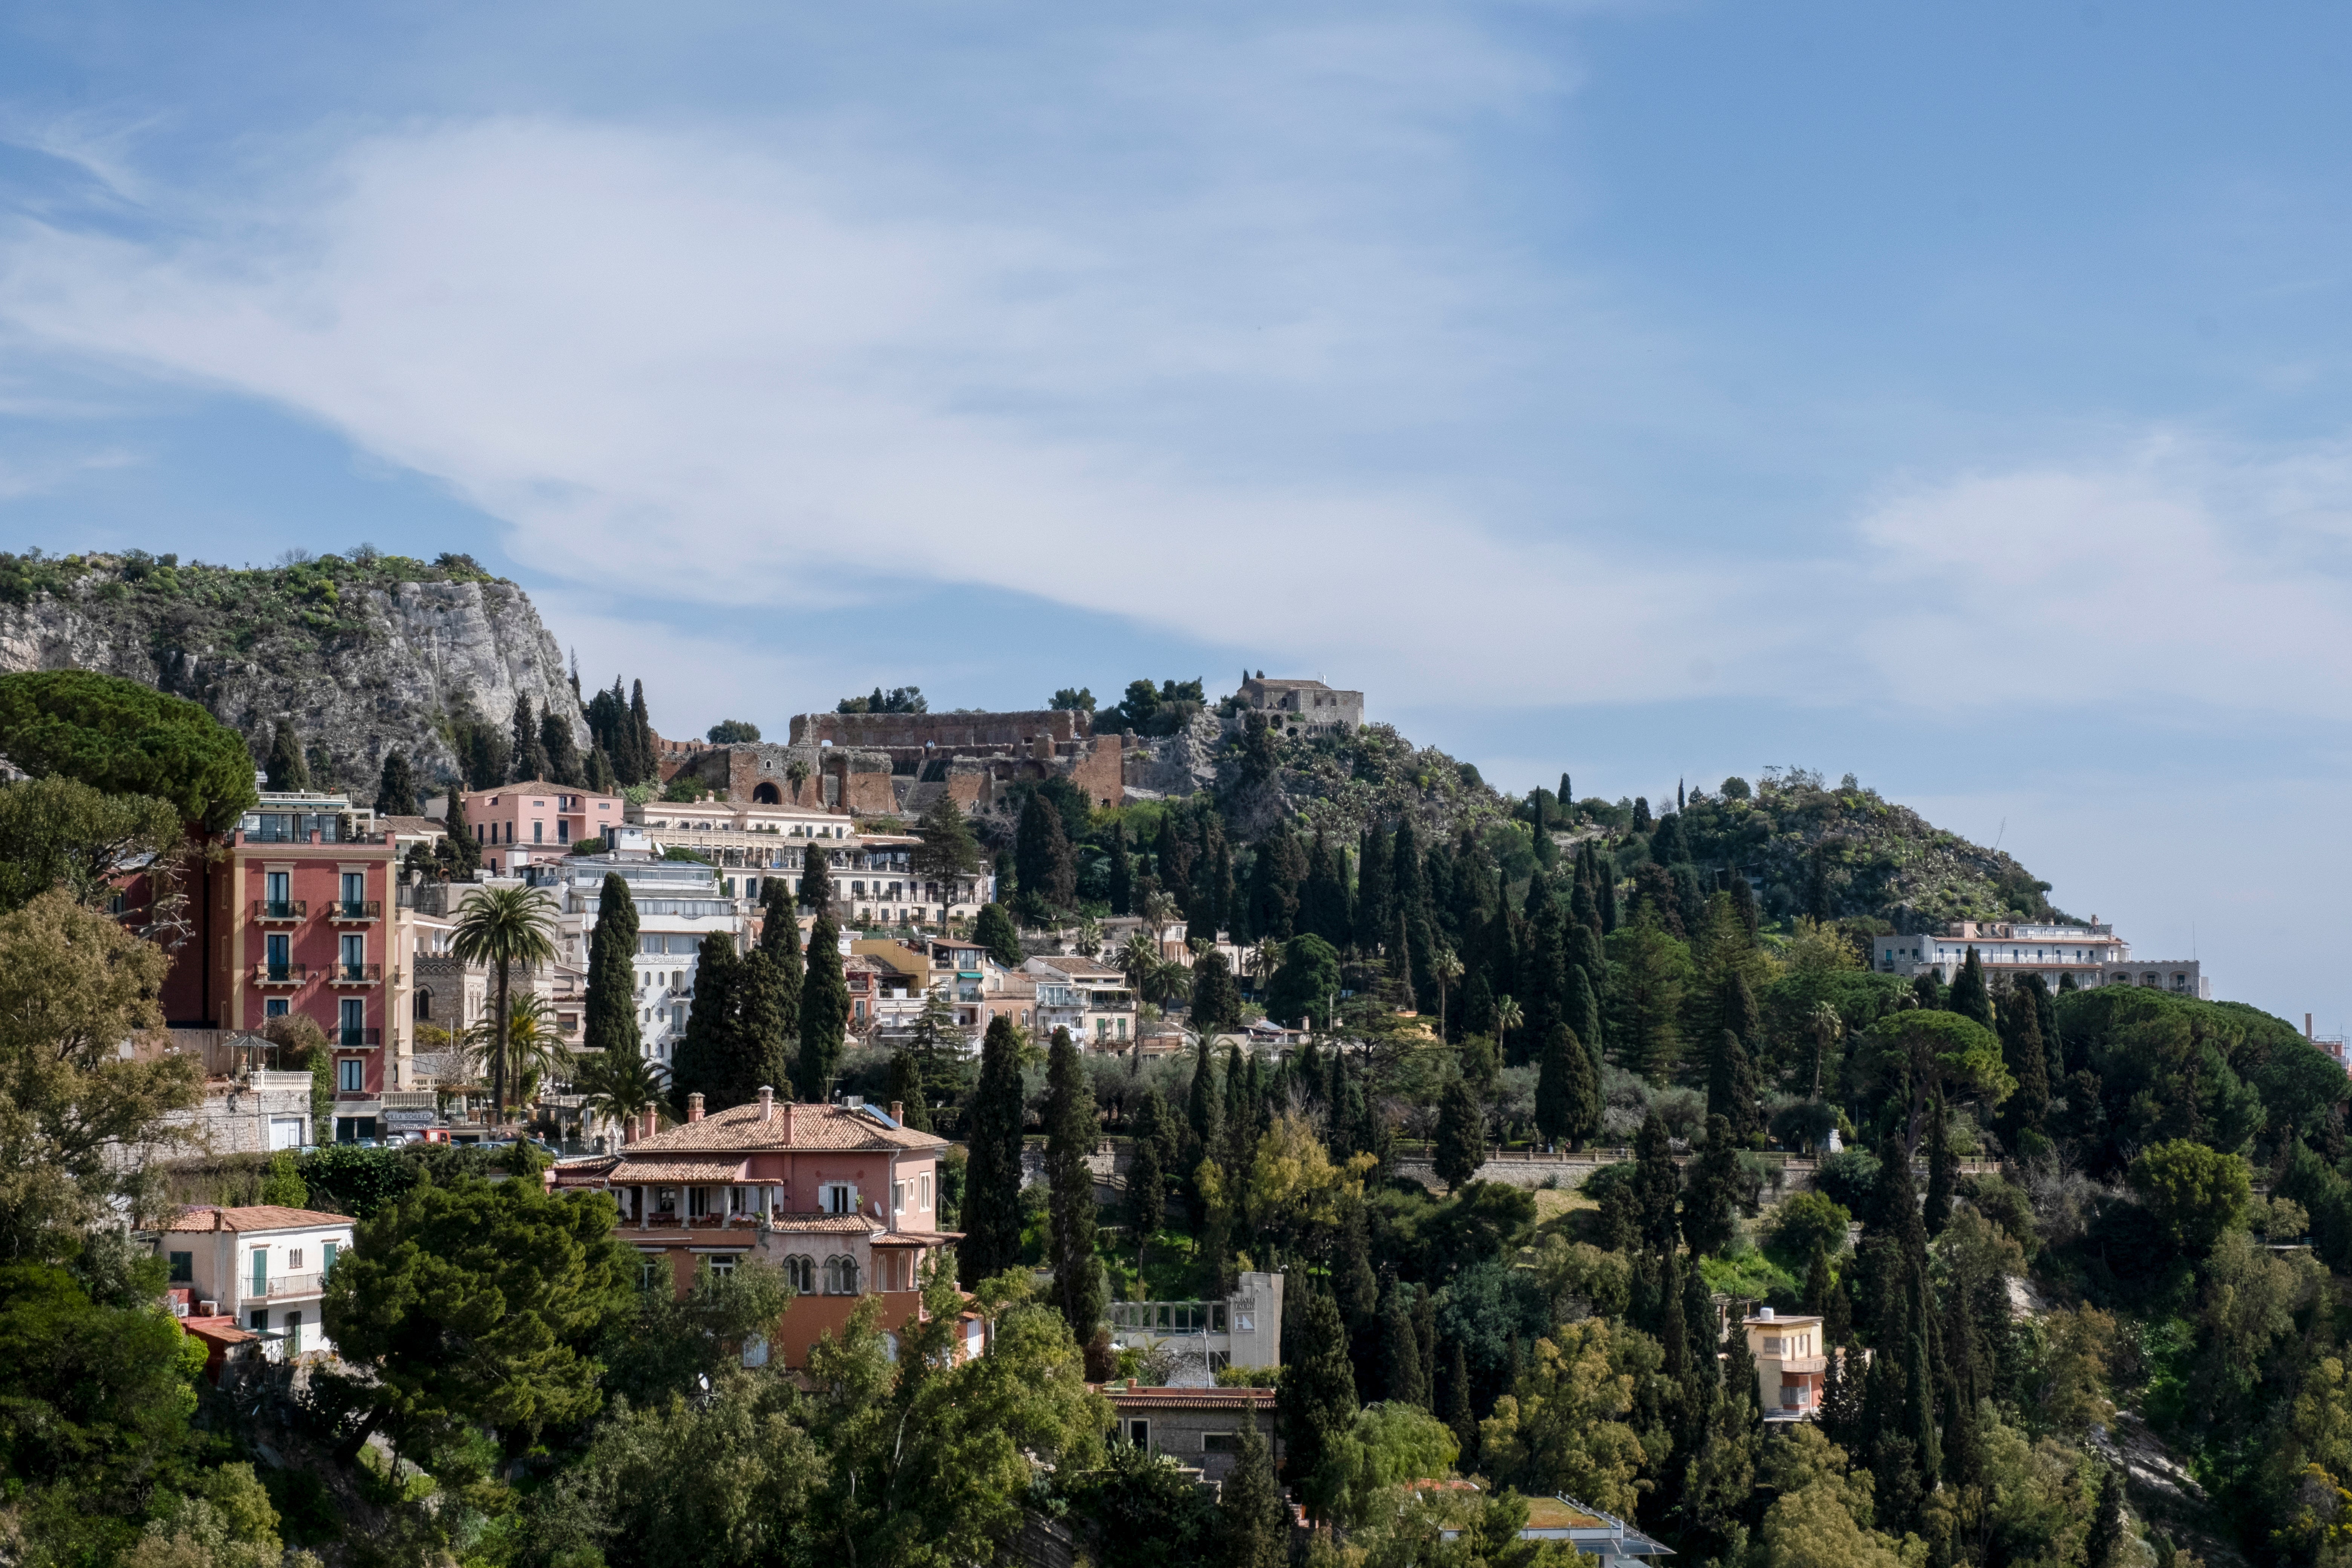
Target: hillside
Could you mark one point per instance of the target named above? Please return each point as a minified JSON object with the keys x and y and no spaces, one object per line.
{"x":366,"y":653}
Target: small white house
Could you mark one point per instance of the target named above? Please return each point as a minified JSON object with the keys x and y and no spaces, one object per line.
{"x":264,"y":1266}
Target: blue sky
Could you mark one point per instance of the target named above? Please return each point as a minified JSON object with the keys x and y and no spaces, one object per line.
{"x":1956,"y":396}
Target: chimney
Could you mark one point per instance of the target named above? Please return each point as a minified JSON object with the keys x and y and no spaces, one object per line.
{"x":767,"y":1104}
{"x":899,"y":1111}
{"x":646,"y":1120}
{"x":2306,"y":1025}
{"x":694,"y":1106}
{"x":788,"y":1123}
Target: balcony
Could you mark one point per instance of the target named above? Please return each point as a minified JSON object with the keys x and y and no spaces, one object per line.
{"x":356,"y":1039}
{"x":286,"y":1286}
{"x":282,"y":973}
{"x":284,"y":911}
{"x":352,"y":911}
{"x":354,"y":973}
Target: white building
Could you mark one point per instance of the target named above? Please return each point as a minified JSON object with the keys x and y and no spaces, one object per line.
{"x":874,"y":881}
{"x":1090,"y":999}
{"x":1207,"y":1337}
{"x":2092,"y":955}
{"x":263,"y":1266}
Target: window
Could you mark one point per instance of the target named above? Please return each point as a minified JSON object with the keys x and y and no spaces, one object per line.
{"x":354,"y":1017}
{"x":354,"y":956}
{"x":839,"y":1198}
{"x":327,"y":1263}
{"x":1137,"y":1432}
{"x":259,"y":1321}
{"x":184,"y":1268}
{"x":539,"y":833}
{"x":697,"y":1202}
{"x":278,"y":952}
{"x":261,"y":1276}
{"x":350,"y":1075}
{"x":1221,"y":1442}
{"x":420,"y":1007}
{"x":801,"y":1270}
{"x":293,"y":1333}
{"x":354,"y":889}
{"x":563,"y":830}
{"x":1772,"y":1344}
{"x":294,"y":1260}
{"x":926,"y":1192}
{"x":274,"y":1008}
{"x":651,"y":1266}
{"x":721,"y":1267}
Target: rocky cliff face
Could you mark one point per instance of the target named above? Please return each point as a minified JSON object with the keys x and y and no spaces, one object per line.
{"x":365,"y":656}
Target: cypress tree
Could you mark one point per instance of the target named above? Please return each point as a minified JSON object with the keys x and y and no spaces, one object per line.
{"x":602,"y":778}
{"x":1542,"y":980}
{"x":907,"y":1090}
{"x":1461,"y":1136}
{"x":1241,"y":1125}
{"x":464,"y":850}
{"x":1122,"y":872}
{"x":1323,"y":901}
{"x":1459,"y":1411}
{"x":526,"y":759}
{"x":1969,"y":998}
{"x":1401,"y":1359}
{"x":1710,"y":1209}
{"x":1731,"y":1089}
{"x":564,"y":764}
{"x":1253,"y":1529}
{"x":1203,"y":1111}
{"x":824,"y":1012}
{"x":1607,"y":888}
{"x":1174,"y":852}
{"x":610,"y":1020}
{"x":1666,"y":845}
{"x":395,"y":790}
{"x":1706,"y":1336}
{"x":1568,"y":1094}
{"x":700,"y":1065}
{"x":995,"y":931}
{"x":1317,"y":1400}
{"x":1147,"y":1175}
{"x":779,"y":951}
{"x":641,"y":735}
{"x":1357,"y":1289}
{"x":2105,"y":1537}
{"x":1656,"y":1184}
{"x":1927,"y":989}
{"x":1743,"y":903}
{"x":1278,"y":887}
{"x":288,"y":768}
{"x":1375,"y":861}
{"x":1584,"y":1014}
{"x":1817,"y":1282}
{"x":1042,"y":856}
{"x":1943,"y":1171}
{"x":1071,"y":1131}
{"x":760,"y":1044}
{"x":817,"y":875}
{"x":1216,"y":999}
{"x":1641,"y":823}
{"x":2027,"y":1057}
{"x":991,"y":1202}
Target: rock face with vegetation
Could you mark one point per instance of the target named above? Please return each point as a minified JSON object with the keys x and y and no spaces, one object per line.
{"x":366,"y":653}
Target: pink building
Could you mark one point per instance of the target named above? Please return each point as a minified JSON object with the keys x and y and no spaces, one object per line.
{"x":841,"y":1196}
{"x":540,"y":814}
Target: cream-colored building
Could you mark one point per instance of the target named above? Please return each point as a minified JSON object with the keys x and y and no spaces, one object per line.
{"x":1790,"y":1361}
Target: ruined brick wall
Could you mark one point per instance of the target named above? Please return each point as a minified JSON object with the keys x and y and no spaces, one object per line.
{"x":947,"y":732}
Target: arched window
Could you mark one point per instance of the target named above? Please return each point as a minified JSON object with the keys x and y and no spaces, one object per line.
{"x":422,"y":1008}
{"x":841,"y":1276}
{"x":767,"y":794}
{"x":832,"y":1276}
{"x":800,"y":1269}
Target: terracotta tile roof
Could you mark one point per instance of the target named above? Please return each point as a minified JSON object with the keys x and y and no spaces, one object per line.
{"x":629,"y":1171}
{"x":823,"y":1223}
{"x":540,"y":786}
{"x":919,"y":1238}
{"x":256,"y":1216}
{"x":830,"y":1127}
{"x":1191,"y":1398}
{"x":412,"y":825}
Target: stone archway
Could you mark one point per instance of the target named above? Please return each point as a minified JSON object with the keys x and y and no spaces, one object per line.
{"x":767,"y":794}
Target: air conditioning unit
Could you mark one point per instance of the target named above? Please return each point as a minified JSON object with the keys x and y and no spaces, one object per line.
{"x":208,"y":1309}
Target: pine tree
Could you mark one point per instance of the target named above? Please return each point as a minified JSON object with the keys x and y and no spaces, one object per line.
{"x":1252,"y":1530}
{"x":395,"y":790}
{"x":641,"y":736}
{"x":610,"y":1022}
{"x":1731,"y":1088}
{"x":1043,"y":860}
{"x":824,"y":1012}
{"x":1461,"y":1136}
{"x":1943,"y":1171}
{"x":991,"y":1200}
{"x":1401,"y":1360}
{"x":1317,"y":1401}
{"x":1216,"y":999}
{"x":1071,"y":1133}
{"x":1375,"y":861}
{"x":1122,"y":872}
{"x":700,"y":1065}
{"x":780,"y":951}
{"x":1656,"y":1185}
{"x":464,"y":850}
{"x":563,"y":763}
{"x":288,"y":770}
{"x":995,"y":931}
{"x":1969,"y":998}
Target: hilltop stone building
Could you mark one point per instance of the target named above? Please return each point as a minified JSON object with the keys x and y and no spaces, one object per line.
{"x":1303,"y":707}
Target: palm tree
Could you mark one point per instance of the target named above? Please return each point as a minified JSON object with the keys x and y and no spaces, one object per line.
{"x":1507,"y":1017}
{"x":1137,"y":960}
{"x":618,"y":1084}
{"x":1264,"y":959}
{"x":503,"y":927}
{"x":1446,"y":968}
{"x":533,"y":1048}
{"x":1828,"y":1029}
